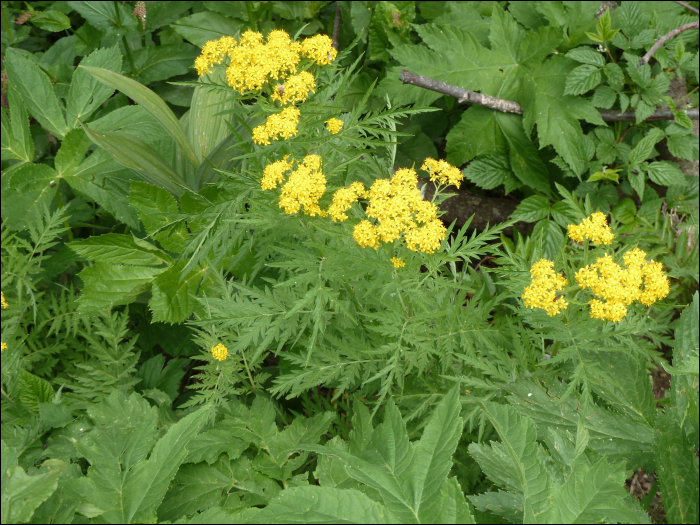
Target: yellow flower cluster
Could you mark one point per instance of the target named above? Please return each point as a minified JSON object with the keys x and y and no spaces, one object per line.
{"x":397,"y":262}
{"x":3,"y":301}
{"x":343,"y":199}
{"x":442,"y":172}
{"x":319,"y":48}
{"x":295,"y":89}
{"x":220,"y":352}
{"x":3,"y":347}
{"x":398,"y":207}
{"x":365,"y":234}
{"x":273,"y":174}
{"x":541,"y":293}
{"x":594,"y":228}
{"x":304,"y":187}
{"x":334,"y":125}
{"x":283,"y":124}
{"x":640,"y":281}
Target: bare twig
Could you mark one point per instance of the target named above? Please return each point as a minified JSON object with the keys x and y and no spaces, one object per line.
{"x":687,"y":6}
{"x":336,"y":24}
{"x":508,"y":106}
{"x":604,"y":6}
{"x":663,"y":39}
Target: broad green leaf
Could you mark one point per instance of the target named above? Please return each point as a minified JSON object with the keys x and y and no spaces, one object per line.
{"x":117,"y":248}
{"x":595,"y":493}
{"x":52,"y":21}
{"x":432,"y":459}
{"x":195,"y":488}
{"x":54,"y":415}
{"x":31,"y":187}
{"x":135,"y":154}
{"x":582,"y":79}
{"x":166,"y":379}
{"x":684,"y":386}
{"x":106,"y":16}
{"x":604,"y":97}
{"x":212,"y":443}
{"x":36,"y":90}
{"x":33,"y":390}
{"x":491,"y":171}
{"x":500,"y":503}
{"x":148,"y":481}
{"x":174,"y":298}
{"x":548,"y":234}
{"x":477,"y":133}
{"x":151,"y":103}
{"x":524,"y":160}
{"x":22,"y":494}
{"x":17,"y":141}
{"x":61,"y":506}
{"x":532,"y":209}
{"x":625,"y":211}
{"x":683,"y":146}
{"x":586,"y":55}
{"x":107,"y":285}
{"x":157,"y":210}
{"x":666,"y":173}
{"x":677,"y":468}
{"x":518,"y":443}
{"x":133,"y":120}
{"x":72,"y":152}
{"x":104,"y":181}
{"x":644,"y":148}
{"x":202,"y":27}
{"x":153,"y":63}
{"x":323,"y":505}
{"x":86,"y":92}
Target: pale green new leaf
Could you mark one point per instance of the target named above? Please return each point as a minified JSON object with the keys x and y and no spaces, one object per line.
{"x":117,"y":248}
{"x":519,"y":443}
{"x":22,"y":494}
{"x":151,"y":103}
{"x":36,"y":90}
{"x":323,"y":505}
{"x":86,"y":92}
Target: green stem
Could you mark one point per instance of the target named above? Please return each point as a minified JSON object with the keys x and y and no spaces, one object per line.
{"x":251,"y":16}
{"x":128,"y":56}
{"x":609,"y":53}
{"x":65,"y":223}
{"x":7,"y":27}
{"x":245,"y":362}
{"x":41,"y":43}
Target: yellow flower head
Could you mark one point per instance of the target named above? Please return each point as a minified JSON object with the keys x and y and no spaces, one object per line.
{"x":304,"y":187}
{"x":214,"y":52}
{"x":4,"y":302}
{"x":295,"y":89}
{"x":365,"y":234}
{"x":442,"y":172}
{"x":283,"y":124}
{"x":3,"y":347}
{"x":397,"y":262}
{"x":542,"y":291}
{"x":594,"y":228}
{"x":343,"y":199}
{"x":399,"y":209}
{"x":274,"y":174}
{"x":220,"y":352}
{"x":334,"y":125}
{"x":640,"y":281}
{"x":319,"y":48}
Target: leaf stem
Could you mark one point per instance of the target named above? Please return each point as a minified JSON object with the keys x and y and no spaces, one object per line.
{"x":65,"y":223}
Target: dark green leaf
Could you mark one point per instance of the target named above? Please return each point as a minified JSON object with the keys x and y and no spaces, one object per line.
{"x":202,"y":27}
{"x":666,"y":173}
{"x":532,"y":209}
{"x":116,"y":248}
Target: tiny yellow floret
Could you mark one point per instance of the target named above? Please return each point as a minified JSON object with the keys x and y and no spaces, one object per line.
{"x":397,"y":262}
{"x":220,"y":352}
{"x":594,"y":228}
{"x":4,"y":302}
{"x":542,"y":292}
{"x":442,"y":172}
{"x":334,"y":125}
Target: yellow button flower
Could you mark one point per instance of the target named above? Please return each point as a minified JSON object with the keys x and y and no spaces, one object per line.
{"x":594,"y":228}
{"x":304,"y":188}
{"x":542,"y":291}
{"x":442,"y":172}
{"x":283,"y":124}
{"x":220,"y":352}
{"x":343,"y":199}
{"x":319,"y":48}
{"x":273,"y":174}
{"x":334,"y":125}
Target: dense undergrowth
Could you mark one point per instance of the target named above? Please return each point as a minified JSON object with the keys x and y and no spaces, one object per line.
{"x":225,"y":297}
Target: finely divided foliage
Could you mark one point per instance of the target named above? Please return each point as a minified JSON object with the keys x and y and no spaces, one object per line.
{"x":230,"y":292}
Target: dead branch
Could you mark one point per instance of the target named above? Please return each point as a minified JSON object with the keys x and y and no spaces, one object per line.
{"x":687,"y":6}
{"x":336,"y":24}
{"x":663,"y":39}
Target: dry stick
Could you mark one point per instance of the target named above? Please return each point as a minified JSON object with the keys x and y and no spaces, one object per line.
{"x":336,"y":25}
{"x":663,"y":39}
{"x":687,"y":6}
{"x":508,"y":106}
